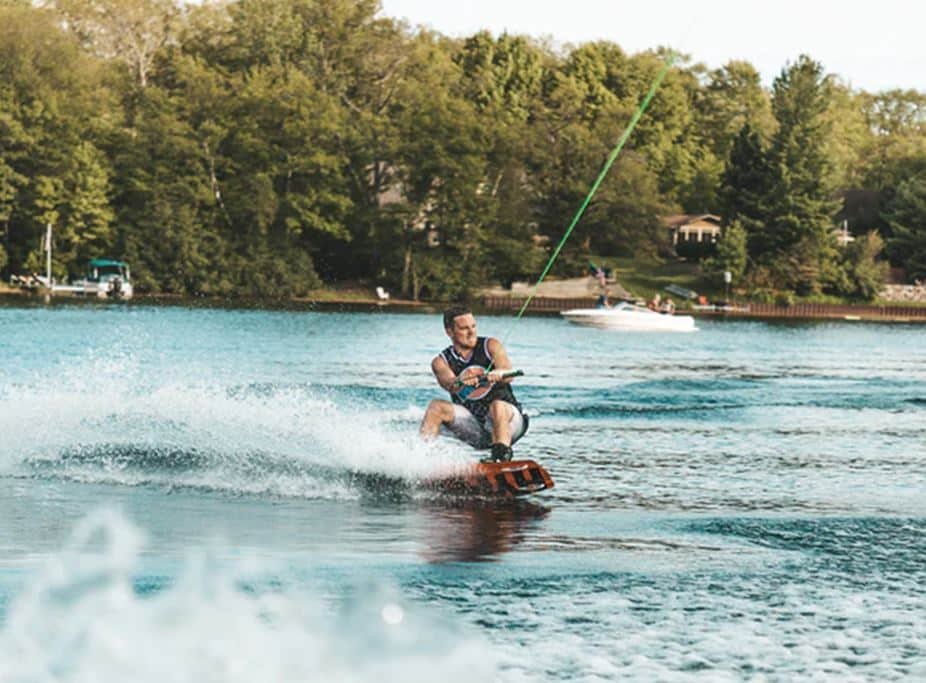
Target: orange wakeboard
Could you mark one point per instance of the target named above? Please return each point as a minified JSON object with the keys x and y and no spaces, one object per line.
{"x":513,"y":478}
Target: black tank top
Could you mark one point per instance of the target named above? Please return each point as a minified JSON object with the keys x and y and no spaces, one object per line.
{"x":480,"y":358}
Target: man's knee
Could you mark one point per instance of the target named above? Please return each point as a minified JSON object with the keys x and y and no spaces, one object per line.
{"x":501,"y":410}
{"x":442,"y":409}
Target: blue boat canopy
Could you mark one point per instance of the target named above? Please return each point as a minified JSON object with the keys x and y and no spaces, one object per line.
{"x":104,"y":262}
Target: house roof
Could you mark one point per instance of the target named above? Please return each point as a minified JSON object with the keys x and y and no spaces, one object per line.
{"x":678,"y":220}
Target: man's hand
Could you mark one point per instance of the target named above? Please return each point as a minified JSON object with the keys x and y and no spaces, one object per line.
{"x":496,"y":375}
{"x":471,"y":379}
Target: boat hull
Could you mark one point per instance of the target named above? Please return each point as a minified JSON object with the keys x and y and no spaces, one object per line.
{"x":630,"y":319}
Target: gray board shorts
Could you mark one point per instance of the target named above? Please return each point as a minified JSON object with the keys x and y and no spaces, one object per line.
{"x":468,"y":428}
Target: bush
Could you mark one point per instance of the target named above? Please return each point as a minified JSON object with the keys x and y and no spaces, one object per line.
{"x":785,"y":298}
{"x":763,"y":295}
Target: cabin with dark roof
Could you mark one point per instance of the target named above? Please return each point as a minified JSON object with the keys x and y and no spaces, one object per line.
{"x":693,"y":235}
{"x":693,"y":228}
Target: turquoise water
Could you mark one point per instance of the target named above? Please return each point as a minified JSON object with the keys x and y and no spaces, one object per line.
{"x":196,"y":495}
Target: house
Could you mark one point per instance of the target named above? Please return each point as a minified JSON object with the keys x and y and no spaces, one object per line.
{"x":692,"y":229}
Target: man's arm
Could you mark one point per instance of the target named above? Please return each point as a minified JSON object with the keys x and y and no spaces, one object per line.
{"x":443,"y":373}
{"x":500,"y":362}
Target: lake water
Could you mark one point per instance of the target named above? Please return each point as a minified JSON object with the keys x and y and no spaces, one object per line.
{"x":210,"y":495}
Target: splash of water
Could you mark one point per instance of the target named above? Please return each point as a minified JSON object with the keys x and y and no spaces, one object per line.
{"x":113,"y":424}
{"x":84,"y":619}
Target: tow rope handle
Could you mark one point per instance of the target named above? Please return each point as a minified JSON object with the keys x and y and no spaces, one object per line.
{"x":466,"y":391}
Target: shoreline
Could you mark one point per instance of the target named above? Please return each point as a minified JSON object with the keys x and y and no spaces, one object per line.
{"x":882,"y":313}
{"x":327,"y":300}
{"x":335,"y":301}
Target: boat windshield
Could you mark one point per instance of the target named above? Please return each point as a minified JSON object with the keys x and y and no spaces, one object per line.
{"x":107,"y":272}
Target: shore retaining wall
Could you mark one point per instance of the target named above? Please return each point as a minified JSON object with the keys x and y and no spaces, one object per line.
{"x":904,"y":293}
{"x":898,"y":313}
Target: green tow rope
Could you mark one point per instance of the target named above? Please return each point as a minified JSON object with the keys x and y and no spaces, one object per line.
{"x":604,"y":171}
{"x":670,"y":60}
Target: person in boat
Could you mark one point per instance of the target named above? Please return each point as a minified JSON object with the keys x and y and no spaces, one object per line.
{"x":603,"y":301}
{"x":495,"y":419}
{"x":654,"y":303}
{"x":668,"y":307}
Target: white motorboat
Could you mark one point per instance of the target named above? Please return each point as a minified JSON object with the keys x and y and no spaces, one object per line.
{"x":624,"y":316}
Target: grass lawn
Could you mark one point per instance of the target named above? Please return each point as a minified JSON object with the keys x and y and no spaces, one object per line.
{"x":644,"y":278}
{"x":349,"y":293}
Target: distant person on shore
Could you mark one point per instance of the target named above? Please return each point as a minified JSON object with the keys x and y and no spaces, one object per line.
{"x":600,"y":274}
{"x":490,"y":417}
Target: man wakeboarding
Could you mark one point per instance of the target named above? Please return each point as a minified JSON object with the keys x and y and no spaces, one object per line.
{"x":482,"y":410}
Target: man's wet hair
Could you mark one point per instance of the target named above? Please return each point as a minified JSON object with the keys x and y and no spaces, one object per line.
{"x":452,"y":313}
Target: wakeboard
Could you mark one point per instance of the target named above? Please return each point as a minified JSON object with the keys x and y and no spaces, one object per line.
{"x":513,"y":478}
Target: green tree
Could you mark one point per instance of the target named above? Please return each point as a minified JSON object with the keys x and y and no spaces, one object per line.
{"x":606,"y":86}
{"x":602,"y":76}
{"x":441,"y":167}
{"x":10,"y":184}
{"x":906,"y":216}
{"x":363,"y":69}
{"x":731,"y":99}
{"x":732,"y":255}
{"x":896,"y":152}
{"x":667,"y":136}
{"x":243,"y":146}
{"x":283,"y":182}
{"x":569,"y":150}
{"x":504,"y":77}
{"x":53,"y":99}
{"x":132,"y":31}
{"x":897,"y":120}
{"x":748,"y":179}
{"x":850,"y":137}
{"x":865,"y":271}
{"x":244,"y":163}
{"x":801,"y":207}
{"x":85,"y":230}
{"x":165,"y":196}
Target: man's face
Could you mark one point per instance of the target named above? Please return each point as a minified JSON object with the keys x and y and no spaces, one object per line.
{"x":463,"y":332}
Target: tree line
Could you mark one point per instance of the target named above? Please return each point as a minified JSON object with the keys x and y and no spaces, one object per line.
{"x":266,"y":147}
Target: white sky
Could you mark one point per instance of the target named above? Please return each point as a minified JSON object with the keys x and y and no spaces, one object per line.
{"x":871,"y":45}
